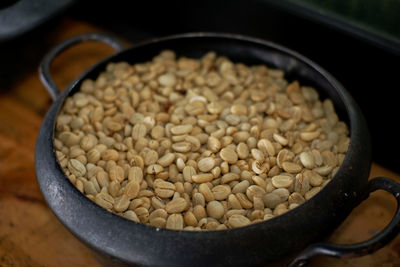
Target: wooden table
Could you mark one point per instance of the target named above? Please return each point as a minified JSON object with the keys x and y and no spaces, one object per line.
{"x":30,"y":235}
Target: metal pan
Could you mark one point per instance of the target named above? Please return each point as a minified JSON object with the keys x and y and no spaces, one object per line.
{"x":124,"y":242}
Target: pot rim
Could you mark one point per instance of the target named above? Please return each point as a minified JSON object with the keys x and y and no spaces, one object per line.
{"x":352,"y":112}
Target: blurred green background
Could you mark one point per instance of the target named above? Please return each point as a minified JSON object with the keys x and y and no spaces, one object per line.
{"x":378,"y":16}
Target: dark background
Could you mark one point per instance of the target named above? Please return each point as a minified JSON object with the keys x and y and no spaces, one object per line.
{"x":368,"y":71}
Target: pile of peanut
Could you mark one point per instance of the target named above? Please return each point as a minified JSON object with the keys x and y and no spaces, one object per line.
{"x":198,"y":144}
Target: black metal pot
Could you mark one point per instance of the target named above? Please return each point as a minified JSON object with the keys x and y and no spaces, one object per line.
{"x":124,"y":241}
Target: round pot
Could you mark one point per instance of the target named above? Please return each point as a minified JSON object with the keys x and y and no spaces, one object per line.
{"x":126,"y":242}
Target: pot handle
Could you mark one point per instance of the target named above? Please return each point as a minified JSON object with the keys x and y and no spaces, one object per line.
{"x":44,"y":67}
{"x":362,"y":248}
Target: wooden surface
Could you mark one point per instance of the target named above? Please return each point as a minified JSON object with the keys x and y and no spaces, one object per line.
{"x":30,"y":235}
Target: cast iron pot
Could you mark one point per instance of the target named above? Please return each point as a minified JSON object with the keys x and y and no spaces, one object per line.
{"x":125,"y":242}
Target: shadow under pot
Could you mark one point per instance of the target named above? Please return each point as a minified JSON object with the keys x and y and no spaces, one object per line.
{"x":286,"y":239}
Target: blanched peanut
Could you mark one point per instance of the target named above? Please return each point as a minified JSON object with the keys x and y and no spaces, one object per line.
{"x":198,"y":144}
